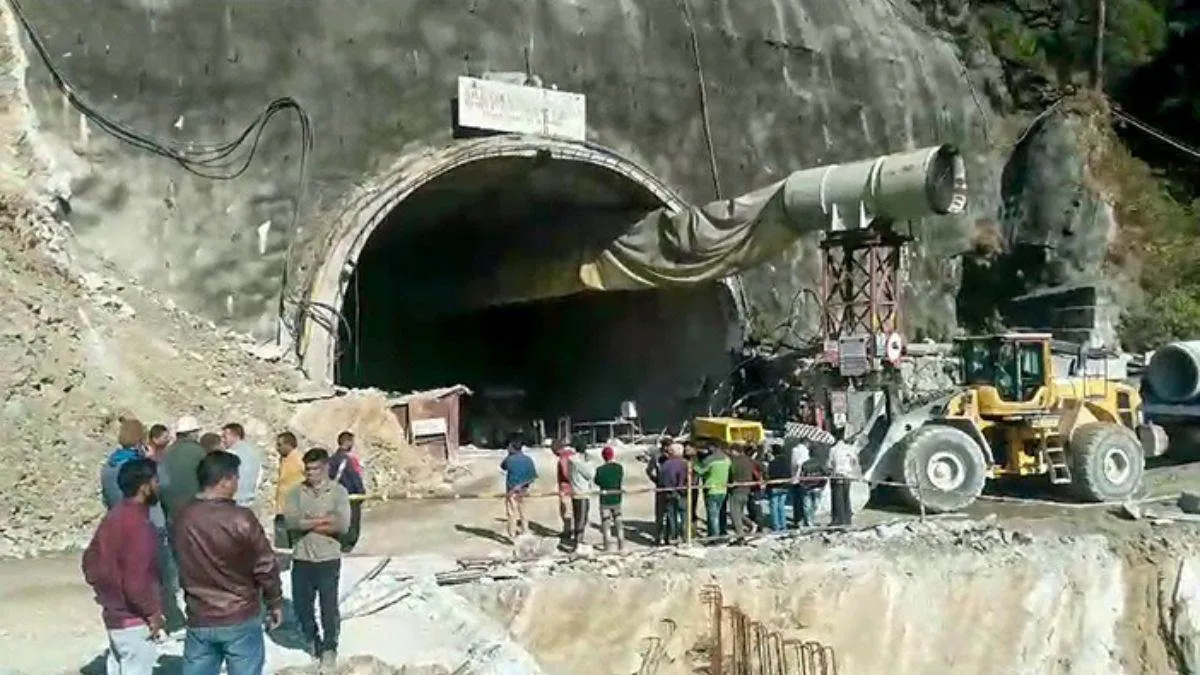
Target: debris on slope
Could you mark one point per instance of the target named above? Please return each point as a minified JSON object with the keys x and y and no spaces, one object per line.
{"x":73,"y":362}
{"x":81,"y":347}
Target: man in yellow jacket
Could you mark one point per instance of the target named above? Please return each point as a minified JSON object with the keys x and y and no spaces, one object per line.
{"x":291,"y":474}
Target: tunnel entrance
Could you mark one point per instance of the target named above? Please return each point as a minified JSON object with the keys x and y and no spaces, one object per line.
{"x":419,"y":314}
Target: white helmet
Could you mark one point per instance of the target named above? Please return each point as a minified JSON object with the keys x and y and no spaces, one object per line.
{"x":186,"y":424}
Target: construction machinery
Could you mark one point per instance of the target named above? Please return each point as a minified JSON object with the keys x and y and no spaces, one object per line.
{"x":1170,"y":386}
{"x":1028,"y":407}
{"x":728,"y":430}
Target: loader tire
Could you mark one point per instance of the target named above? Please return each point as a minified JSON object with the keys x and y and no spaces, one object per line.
{"x":943,"y":469}
{"x":1107,"y":462}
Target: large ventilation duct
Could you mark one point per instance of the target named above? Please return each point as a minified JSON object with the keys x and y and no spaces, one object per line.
{"x":672,"y":248}
{"x":1174,"y":372}
{"x":904,"y":186}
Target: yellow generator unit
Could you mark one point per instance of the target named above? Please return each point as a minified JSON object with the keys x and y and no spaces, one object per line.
{"x":728,"y":430}
{"x":1028,"y":407}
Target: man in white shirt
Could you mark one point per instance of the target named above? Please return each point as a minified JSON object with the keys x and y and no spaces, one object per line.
{"x":807,"y":486}
{"x":233,"y":438}
{"x":843,"y":467}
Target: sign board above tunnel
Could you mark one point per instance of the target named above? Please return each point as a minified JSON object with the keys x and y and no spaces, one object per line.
{"x":512,"y":108}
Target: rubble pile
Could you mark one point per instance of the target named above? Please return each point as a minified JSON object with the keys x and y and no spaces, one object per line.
{"x":392,"y":465}
{"x":82,"y":346}
{"x":976,"y":536}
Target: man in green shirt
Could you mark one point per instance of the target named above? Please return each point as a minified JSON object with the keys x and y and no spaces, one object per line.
{"x":714,"y":471}
{"x":178,"y":470}
{"x":609,"y":478}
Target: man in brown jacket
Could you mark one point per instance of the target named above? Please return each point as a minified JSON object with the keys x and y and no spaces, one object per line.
{"x":228,"y":570}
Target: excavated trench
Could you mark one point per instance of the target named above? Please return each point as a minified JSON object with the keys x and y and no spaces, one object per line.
{"x":424,"y":307}
{"x":901,"y":599}
{"x":991,"y":604}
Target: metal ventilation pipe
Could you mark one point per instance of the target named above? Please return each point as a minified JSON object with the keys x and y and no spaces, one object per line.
{"x":903,"y":186}
{"x":1174,"y":372}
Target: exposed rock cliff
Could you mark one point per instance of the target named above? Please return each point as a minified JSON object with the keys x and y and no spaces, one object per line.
{"x":789,"y":84}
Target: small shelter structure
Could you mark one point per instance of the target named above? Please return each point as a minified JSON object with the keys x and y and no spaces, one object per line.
{"x":431,"y":420}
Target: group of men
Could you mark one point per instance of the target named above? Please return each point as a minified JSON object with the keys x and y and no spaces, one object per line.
{"x":725,"y":481}
{"x":576,"y":479}
{"x":181,"y":517}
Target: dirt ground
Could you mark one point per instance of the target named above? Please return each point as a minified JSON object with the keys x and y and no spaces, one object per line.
{"x":49,"y":623}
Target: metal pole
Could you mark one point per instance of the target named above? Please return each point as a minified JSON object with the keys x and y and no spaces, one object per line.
{"x":690,"y":497}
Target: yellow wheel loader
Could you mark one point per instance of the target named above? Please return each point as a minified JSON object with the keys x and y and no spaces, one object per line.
{"x":1028,"y":407}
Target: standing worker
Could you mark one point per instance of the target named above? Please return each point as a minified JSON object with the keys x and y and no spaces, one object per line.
{"x":519,"y":473}
{"x":562,"y":478}
{"x":318,"y":512}
{"x":233,"y":439}
{"x":653,"y":468}
{"x":581,"y":475}
{"x":807,"y":483}
{"x":843,"y":468}
{"x":179,"y":468}
{"x":345,"y":468}
{"x":695,"y":494}
{"x":673,"y":482}
{"x":211,"y":442}
{"x":157,"y":441}
{"x":780,"y":478}
{"x":228,"y":571}
{"x":742,"y":475}
{"x":610,"y":478}
{"x":121,"y":566}
{"x":714,"y":471}
{"x":291,"y":474}
{"x":129,"y":442}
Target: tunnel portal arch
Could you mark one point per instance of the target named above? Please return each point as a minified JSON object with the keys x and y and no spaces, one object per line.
{"x":371,"y":205}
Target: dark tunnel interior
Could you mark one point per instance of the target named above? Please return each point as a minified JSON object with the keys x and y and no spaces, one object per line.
{"x":580,"y":355}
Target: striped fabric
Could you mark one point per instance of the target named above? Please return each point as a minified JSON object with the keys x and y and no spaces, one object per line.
{"x":808,"y":433}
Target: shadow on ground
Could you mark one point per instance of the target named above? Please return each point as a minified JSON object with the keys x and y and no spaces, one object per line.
{"x":167,"y":665}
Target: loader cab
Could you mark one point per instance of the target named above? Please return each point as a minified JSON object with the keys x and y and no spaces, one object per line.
{"x":1011,"y":373}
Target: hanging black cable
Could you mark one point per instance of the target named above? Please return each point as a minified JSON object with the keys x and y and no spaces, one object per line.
{"x":215,"y":161}
{"x":201,"y":160}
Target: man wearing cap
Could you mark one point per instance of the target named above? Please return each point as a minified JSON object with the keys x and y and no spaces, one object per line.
{"x":609,"y":478}
{"x":179,"y":482}
{"x":672,"y":482}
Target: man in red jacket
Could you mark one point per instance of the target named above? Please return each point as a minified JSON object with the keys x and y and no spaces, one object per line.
{"x":121,"y":566}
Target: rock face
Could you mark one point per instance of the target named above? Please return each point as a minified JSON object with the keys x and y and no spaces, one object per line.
{"x":788,"y":84}
{"x":1056,"y":232}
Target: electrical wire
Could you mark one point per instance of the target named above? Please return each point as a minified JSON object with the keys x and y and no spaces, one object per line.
{"x":686,"y":7}
{"x":217,"y":161}
{"x":209,"y":161}
{"x":1151,"y":131}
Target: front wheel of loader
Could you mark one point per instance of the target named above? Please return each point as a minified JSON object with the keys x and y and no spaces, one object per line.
{"x":943,"y":469}
{"x":1107,"y":462}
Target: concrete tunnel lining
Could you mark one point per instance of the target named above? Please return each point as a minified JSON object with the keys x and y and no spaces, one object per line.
{"x":370,"y":209}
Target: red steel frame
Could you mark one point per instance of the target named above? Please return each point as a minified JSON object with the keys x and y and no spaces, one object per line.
{"x":860,"y":283}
